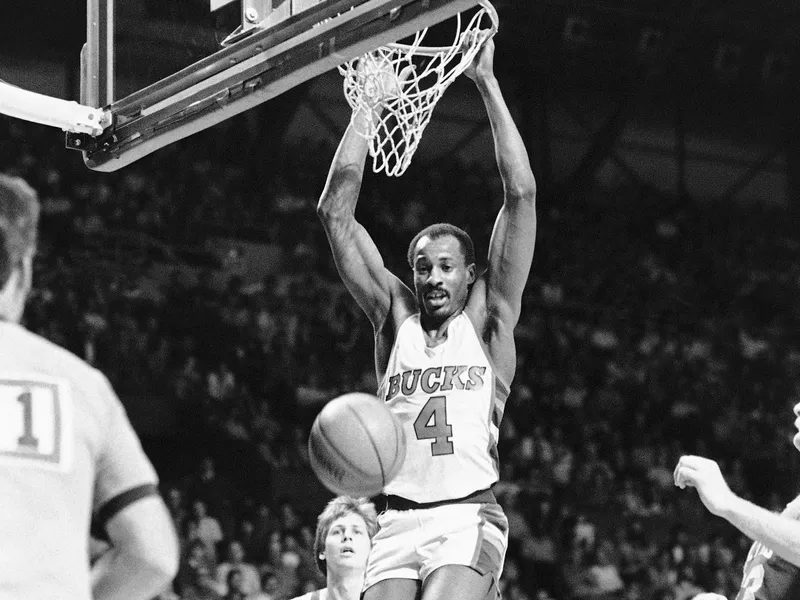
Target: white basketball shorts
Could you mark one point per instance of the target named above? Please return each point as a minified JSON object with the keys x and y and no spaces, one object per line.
{"x":412,"y":544}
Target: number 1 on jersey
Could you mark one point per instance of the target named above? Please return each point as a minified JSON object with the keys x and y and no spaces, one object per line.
{"x":27,"y":439}
{"x":431,"y":424}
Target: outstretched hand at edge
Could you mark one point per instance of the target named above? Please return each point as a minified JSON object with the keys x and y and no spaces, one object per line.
{"x":705,"y":476}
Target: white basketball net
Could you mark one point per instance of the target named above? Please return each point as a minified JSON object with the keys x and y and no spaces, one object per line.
{"x":400,"y":110}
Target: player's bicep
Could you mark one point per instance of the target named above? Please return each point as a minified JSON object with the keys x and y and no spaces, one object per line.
{"x":361,"y":267}
{"x":143,"y":538}
{"x":143,"y":523}
{"x":510,"y":258}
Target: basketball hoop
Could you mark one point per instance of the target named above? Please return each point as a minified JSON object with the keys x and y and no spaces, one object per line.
{"x":398,"y":85}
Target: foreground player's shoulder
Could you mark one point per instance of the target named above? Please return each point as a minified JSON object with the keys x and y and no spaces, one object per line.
{"x":25,"y":350}
{"x":38,"y":359}
{"x":64,"y":400}
{"x":89,"y":386}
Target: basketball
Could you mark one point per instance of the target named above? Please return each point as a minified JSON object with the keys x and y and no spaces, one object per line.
{"x":356,"y":445}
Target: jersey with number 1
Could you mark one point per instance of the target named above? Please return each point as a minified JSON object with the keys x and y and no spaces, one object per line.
{"x":67,"y":450}
{"x":450,"y":403}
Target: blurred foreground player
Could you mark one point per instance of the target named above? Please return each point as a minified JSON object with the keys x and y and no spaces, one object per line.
{"x":772,"y":569}
{"x":341,"y":547}
{"x":445,"y":357}
{"x":67,"y":454}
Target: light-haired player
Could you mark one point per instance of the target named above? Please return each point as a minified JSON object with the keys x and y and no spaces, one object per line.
{"x":341,"y":547}
{"x":67,"y":453}
{"x":445,"y":357}
{"x":772,"y":569}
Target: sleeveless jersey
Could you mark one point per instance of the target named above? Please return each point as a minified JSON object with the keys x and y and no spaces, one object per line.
{"x":768,"y":577}
{"x":315,"y":595}
{"x":450,"y":403}
{"x":66,"y":450}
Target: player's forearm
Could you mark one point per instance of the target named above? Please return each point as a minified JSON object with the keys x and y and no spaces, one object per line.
{"x":343,"y":186}
{"x":119,"y":575}
{"x":778,"y":533}
{"x":512,"y":156}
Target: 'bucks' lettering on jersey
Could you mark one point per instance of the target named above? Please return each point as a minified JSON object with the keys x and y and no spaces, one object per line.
{"x":450,"y":403}
{"x":768,"y":577}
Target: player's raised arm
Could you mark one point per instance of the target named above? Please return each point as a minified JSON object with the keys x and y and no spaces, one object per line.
{"x":778,"y":532}
{"x":357,"y":257}
{"x":514,"y":235}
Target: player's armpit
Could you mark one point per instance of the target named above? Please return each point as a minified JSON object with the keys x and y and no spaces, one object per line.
{"x":510,"y":258}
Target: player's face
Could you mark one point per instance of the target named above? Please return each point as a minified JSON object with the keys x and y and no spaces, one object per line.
{"x":441,"y":276}
{"x":796,"y":439}
{"x":347,"y":544}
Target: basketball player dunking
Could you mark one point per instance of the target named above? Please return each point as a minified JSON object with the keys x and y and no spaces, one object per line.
{"x":445,"y":355}
{"x":772,"y":569}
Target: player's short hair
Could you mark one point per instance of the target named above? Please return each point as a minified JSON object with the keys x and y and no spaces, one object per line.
{"x":339,"y":507}
{"x":438,"y":230}
{"x":19,"y":222}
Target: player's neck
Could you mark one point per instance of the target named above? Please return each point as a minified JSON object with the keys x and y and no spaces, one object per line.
{"x":792,"y":509}
{"x":434,"y":329}
{"x":12,"y":299}
{"x":345,"y":587}
{"x":9,"y":311}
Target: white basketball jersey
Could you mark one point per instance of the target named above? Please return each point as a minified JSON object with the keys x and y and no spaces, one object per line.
{"x":66,"y":449}
{"x":450,"y":403}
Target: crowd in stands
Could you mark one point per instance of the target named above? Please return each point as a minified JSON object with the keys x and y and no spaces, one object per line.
{"x":646,"y":333}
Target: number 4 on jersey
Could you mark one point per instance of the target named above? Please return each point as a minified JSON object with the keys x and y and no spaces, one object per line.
{"x":431,"y":424}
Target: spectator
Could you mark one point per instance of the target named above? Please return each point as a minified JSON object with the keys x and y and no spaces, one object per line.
{"x":539,"y":556}
{"x":204,"y":528}
{"x":686,"y":587}
{"x":605,"y":577}
{"x":195,"y":579}
{"x":575,"y":575}
{"x":248,"y":578}
{"x":177,"y":509}
{"x":216,"y":492}
{"x":584,"y":532}
{"x":199,"y":585}
{"x":235,"y":586}
{"x":269,"y":587}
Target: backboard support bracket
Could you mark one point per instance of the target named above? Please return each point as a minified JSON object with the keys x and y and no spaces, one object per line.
{"x":261,"y":14}
{"x":97,"y":55}
{"x":262,"y":65}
